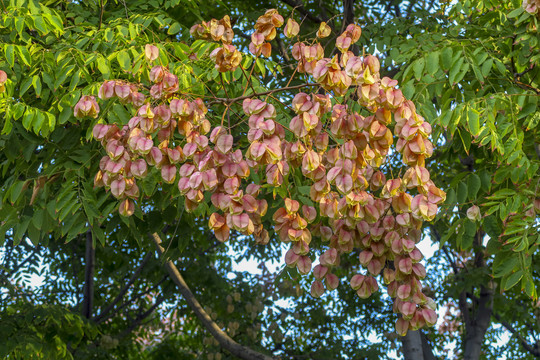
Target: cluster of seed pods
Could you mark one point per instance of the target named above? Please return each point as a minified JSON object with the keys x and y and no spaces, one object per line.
{"x":339,"y":151}
{"x":265,"y":30}
{"x":226,"y":57}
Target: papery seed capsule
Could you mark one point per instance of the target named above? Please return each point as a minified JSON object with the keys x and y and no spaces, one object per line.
{"x":332,"y":281}
{"x":317,"y":289}
{"x":304,"y":265}
{"x":151,"y":52}
{"x":402,"y":326}
{"x":126,"y":207}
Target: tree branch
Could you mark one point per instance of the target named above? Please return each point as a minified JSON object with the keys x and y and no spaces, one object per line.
{"x":474,"y":336}
{"x":224,"y":340}
{"x":138,"y":296}
{"x":426,"y":347}
{"x":533,"y":350}
{"x":103,"y":315}
{"x":89,"y":276}
{"x":302,"y":10}
{"x":233,"y":100}
{"x":412,"y":346}
{"x":140,"y":317}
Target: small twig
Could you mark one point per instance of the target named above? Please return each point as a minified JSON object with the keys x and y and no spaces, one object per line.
{"x":233,"y":100}
{"x":103,"y":315}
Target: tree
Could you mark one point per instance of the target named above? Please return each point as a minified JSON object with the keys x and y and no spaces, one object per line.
{"x":55,"y":159}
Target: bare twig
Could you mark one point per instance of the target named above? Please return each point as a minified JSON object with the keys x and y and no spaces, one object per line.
{"x":302,"y":10}
{"x":533,"y":350}
{"x":239,"y":98}
{"x":103,"y":315}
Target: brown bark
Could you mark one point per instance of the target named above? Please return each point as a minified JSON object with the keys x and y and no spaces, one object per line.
{"x":88,"y":297}
{"x":224,"y":340}
{"x":477,"y":325}
{"x":412,"y":346}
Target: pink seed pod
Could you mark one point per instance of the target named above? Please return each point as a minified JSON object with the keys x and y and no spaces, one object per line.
{"x":304,"y":265}
{"x":332,"y":281}
{"x":319,"y":272}
{"x":126,"y":207}
{"x":291,"y":258}
{"x":87,"y":106}
{"x":357,"y":281}
{"x":151,"y":52}
{"x":402,"y":326}
{"x":317,"y":289}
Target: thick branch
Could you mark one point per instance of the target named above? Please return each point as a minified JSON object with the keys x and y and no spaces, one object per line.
{"x":224,"y":340}
{"x":478,"y":325}
{"x":412,"y":346}
{"x":103,"y":315}
{"x":89,"y":276}
{"x":426,"y":347}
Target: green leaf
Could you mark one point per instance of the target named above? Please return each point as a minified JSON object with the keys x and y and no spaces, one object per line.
{"x":418,"y":68}
{"x":408,"y":89}
{"x":40,"y":25}
{"x":454,"y":71}
{"x":504,"y":263}
{"x":55,"y":22}
{"x":522,"y":243}
{"x":451,"y":197}
{"x":28,"y":118}
{"x":527,"y":285}
{"x":533,"y":121}
{"x":103,"y":67}
{"x":473,"y":120}
{"x":513,"y":279}
{"x":174,"y":28}
{"x":473,"y":184}
{"x":124,"y":60}
{"x":36,"y":82}
{"x":16,"y":191}
{"x":501,"y":194}
{"x":486,"y":67}
{"x":62,"y":76}
{"x":260,"y":65}
{"x":485,"y":180}
{"x":8,"y":126}
{"x":527,"y":109}
{"x":25,"y":85}
{"x":432,"y":62}
{"x":20,"y":229}
{"x":24,"y":55}
{"x":515,"y":13}
{"x":10,"y":54}
{"x":445,"y":118}
{"x":39,"y":119}
{"x":446,"y":58}
{"x":462,"y":192}
{"x":74,"y":80}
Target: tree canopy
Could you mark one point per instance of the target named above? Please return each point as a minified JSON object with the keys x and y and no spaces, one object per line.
{"x":318,"y":136}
